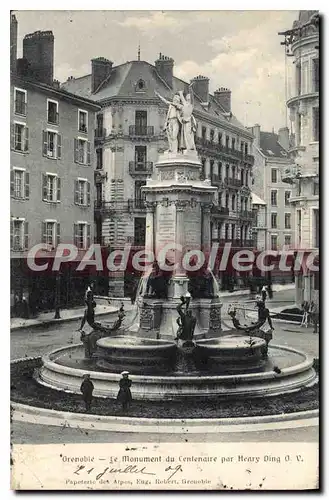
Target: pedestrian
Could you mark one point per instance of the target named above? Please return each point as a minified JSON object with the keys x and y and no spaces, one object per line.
{"x":270,"y":291}
{"x":124,"y":395}
{"x":87,"y":388}
{"x":315,"y":316}
{"x":264,"y":294}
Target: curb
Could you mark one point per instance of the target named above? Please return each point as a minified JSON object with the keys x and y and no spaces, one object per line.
{"x":41,"y":323}
{"x":42,"y":416}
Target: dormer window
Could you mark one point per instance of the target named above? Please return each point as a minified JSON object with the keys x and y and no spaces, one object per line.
{"x":140,"y":86}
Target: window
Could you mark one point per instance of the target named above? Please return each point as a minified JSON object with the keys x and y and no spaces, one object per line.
{"x":140,"y":87}
{"x":227,"y":141}
{"x":227,"y":171}
{"x":220,"y":136}
{"x":18,"y":234}
{"x":227,"y":228}
{"x":51,"y":233}
{"x":233,"y":143}
{"x":140,"y":157}
{"x":52,"y":144}
{"x":82,"y":192}
{"x":287,"y":240}
{"x":227,"y":200}
{"x":316,"y":227}
{"x":19,"y":184}
{"x":274,"y":221}
{"x":203,"y":169}
{"x":83,"y":121}
{"x":274,"y":198}
{"x":141,"y":122}
{"x":299,"y":226}
{"x":299,"y":187}
{"x":287,"y":195}
{"x":242,"y":177}
{"x":139,"y":195}
{"x":20,"y":137}
{"x":233,"y":172}
{"x":315,"y":188}
{"x":233,"y":231}
{"x":246,"y":149}
{"x":212,"y":134}
{"x":99,"y":193}
{"x":51,"y":188}
{"x":99,"y":158}
{"x":82,"y":235}
{"x":204,"y":132}
{"x":287,"y":221}
{"x":139,"y":231}
{"x":315,"y":124}
{"x":315,"y":74}
{"x":247,"y":178}
{"x":233,"y":202}
{"x":211,"y":163}
{"x":274,"y":175}
{"x":52,"y":112}
{"x":20,"y":101}
{"x":298,"y":79}
{"x":220,"y":170}
{"x":82,"y":153}
{"x":274,"y":242}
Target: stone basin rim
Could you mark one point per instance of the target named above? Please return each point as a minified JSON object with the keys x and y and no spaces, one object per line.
{"x":306,"y":364}
{"x":159,"y":344}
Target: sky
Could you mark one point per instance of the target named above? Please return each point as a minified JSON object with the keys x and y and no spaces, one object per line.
{"x":239,"y":50}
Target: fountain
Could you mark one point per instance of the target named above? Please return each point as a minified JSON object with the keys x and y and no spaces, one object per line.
{"x":176,"y":347}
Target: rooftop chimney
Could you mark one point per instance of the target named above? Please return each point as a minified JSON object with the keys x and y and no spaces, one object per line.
{"x":283,"y":139}
{"x":100,"y":70}
{"x":164,"y":66}
{"x":223,"y":97}
{"x":38,"y":50}
{"x":255,"y":130}
{"x":201,"y":87}
{"x":13,"y":42}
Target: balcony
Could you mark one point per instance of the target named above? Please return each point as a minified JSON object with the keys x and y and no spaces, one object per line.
{"x":246,"y":214}
{"x":100,"y":134}
{"x":220,"y":211}
{"x":216,"y":180}
{"x":235,"y":243}
{"x":291,"y":174}
{"x":218,"y":148}
{"x":110,"y":207}
{"x":140,"y":168}
{"x":233,"y":183}
{"x":136,"y":204}
{"x":141,"y":131}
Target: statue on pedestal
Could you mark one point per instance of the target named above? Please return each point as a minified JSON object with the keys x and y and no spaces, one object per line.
{"x":180,"y":123}
{"x":186,"y":322}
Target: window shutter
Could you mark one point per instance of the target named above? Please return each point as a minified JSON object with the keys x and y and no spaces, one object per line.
{"x":76,"y":151}
{"x":58,"y":233}
{"x":59,"y":146}
{"x":88,"y":235}
{"x":12,"y":182}
{"x":44,"y":187}
{"x":88,"y":154}
{"x":12,"y":136}
{"x":45,"y":142}
{"x":58,"y":189}
{"x":11,"y":233}
{"x":75,"y":234}
{"x":27,"y":185}
{"x":76,"y":192}
{"x":26,"y":235}
{"x":44,"y":232}
{"x":26,"y":144}
{"x":88,"y":194}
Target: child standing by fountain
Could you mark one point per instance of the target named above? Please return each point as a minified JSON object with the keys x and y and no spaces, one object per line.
{"x":124,"y":395}
{"x":87,"y":388}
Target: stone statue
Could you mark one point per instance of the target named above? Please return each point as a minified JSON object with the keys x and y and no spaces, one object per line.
{"x":186,"y":323}
{"x":99,"y":331}
{"x":180,"y":123}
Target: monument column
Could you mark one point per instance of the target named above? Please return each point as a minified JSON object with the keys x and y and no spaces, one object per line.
{"x":149,"y":239}
{"x":206,"y":237}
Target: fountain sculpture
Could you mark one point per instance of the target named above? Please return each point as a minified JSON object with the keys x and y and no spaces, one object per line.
{"x":177,"y":347}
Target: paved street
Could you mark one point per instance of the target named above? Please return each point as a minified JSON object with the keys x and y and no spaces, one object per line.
{"x":37,"y":341}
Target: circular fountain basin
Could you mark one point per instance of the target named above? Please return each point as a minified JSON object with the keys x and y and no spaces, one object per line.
{"x":137,"y":355}
{"x":63,"y":369}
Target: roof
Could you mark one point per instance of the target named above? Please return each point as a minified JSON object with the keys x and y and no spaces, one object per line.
{"x":122,"y":81}
{"x":270,"y":146}
{"x":58,"y":92}
{"x":256,"y":200}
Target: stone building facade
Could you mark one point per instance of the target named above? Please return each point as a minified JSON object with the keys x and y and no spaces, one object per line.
{"x":52,"y":166}
{"x":302,"y":45}
{"x":271,"y":161}
{"x":129,"y":136}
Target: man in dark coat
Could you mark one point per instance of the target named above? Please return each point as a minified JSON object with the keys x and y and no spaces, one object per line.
{"x":124,"y":395}
{"x":87,"y":388}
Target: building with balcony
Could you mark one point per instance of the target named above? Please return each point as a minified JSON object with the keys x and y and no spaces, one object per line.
{"x":271,"y":162}
{"x":129,"y":136}
{"x":51,"y":172}
{"x":259,"y":222}
{"x":301,"y":44}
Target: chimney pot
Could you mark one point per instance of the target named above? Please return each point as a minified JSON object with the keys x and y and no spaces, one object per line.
{"x":201,"y":87}
{"x":164,"y":66}
{"x":100,"y":70}
{"x":223,"y":97}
